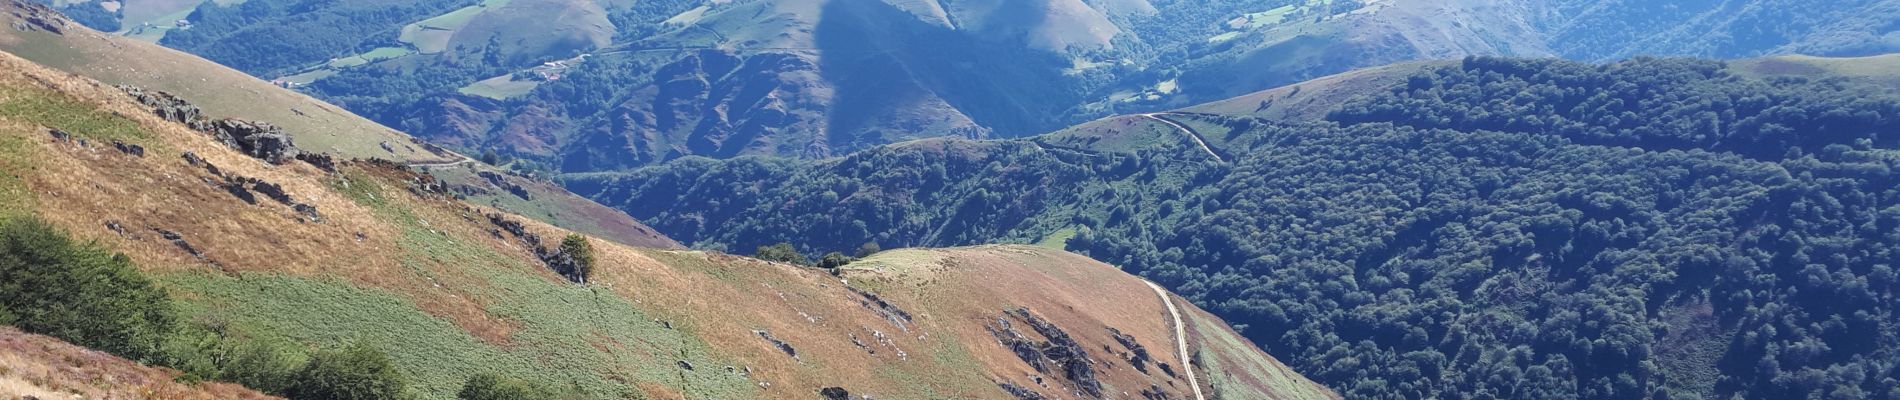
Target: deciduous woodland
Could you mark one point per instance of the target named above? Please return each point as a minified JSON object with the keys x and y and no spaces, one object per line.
{"x":1493,"y":227}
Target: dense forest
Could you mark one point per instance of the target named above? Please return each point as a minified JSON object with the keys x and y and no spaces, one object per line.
{"x":274,"y":37}
{"x":90,"y":15}
{"x":1497,"y":228}
{"x":1596,"y":29}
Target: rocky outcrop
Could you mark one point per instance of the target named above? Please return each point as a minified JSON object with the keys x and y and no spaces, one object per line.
{"x":1058,"y":353}
{"x":168,"y":106}
{"x":237,"y":189}
{"x":322,"y":161}
{"x":780,"y":344}
{"x":261,"y":140}
{"x":890,"y":312}
{"x":194,"y":160}
{"x":247,"y":188}
{"x":834,"y":393}
{"x":270,"y":190}
{"x":502,"y":181}
{"x":566,"y":264}
{"x":115,"y":227}
{"x":1021,"y":393}
{"x":558,"y":260}
{"x":1029,"y":350}
{"x":179,"y":240}
{"x":426,"y":185}
{"x":1137,"y":354}
{"x":515,"y":228}
{"x":258,"y":139}
{"x":309,"y":212}
{"x":1154,"y":392}
{"x":35,"y":17}
{"x":131,"y":149}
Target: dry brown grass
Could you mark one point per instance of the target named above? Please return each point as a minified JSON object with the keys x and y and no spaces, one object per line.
{"x":1083,"y":296}
{"x":83,"y":187}
{"x":47,"y":368}
{"x":315,"y":125}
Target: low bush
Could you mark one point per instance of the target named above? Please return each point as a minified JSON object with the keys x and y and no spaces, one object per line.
{"x":354,"y":373}
{"x":79,"y":292}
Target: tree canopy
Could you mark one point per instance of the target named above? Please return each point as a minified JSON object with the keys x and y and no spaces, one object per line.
{"x":1488,"y":229}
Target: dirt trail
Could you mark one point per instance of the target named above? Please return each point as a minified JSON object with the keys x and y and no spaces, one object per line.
{"x":1190,"y":133}
{"x":1180,"y":337}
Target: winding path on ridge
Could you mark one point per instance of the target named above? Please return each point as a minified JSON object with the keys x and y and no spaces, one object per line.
{"x":1180,"y":337}
{"x":1191,"y":134}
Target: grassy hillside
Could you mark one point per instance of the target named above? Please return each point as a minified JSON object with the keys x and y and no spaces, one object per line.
{"x":314,"y":125}
{"x":1648,"y":228}
{"x":115,"y":60}
{"x":1882,"y":70}
{"x":1311,"y":100}
{"x":379,"y":257}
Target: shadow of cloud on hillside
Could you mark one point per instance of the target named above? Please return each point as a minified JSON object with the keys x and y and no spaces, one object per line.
{"x":883,"y":61}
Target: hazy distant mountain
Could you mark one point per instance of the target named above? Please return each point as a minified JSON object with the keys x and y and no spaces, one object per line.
{"x":666,"y":79}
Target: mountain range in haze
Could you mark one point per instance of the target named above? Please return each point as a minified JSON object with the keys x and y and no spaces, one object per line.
{"x":638,"y":83}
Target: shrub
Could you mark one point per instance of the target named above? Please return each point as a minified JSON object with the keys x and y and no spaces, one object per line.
{"x":833,"y":260}
{"x":266,"y":366}
{"x":867,"y":249}
{"x":496,"y":387}
{"x":782,"y":252}
{"x":354,"y":373}
{"x":582,"y":252}
{"x":208,"y":348}
{"x":79,"y":292}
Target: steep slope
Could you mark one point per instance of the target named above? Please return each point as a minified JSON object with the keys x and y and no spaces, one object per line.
{"x":792,"y":77}
{"x":42,"y":367}
{"x":47,"y":38}
{"x":56,"y":42}
{"x":1653,"y":227}
{"x":375,"y":254}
